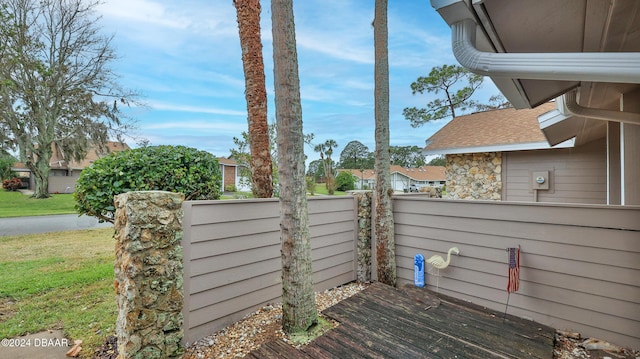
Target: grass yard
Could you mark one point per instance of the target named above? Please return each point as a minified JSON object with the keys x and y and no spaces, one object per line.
{"x":61,"y":280}
{"x":321,"y":188}
{"x":16,"y":204}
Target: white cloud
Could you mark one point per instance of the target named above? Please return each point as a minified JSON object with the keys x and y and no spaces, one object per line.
{"x":200,"y":125}
{"x":195,"y":109}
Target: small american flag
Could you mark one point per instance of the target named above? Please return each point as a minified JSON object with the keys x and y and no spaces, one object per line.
{"x":514,"y":270}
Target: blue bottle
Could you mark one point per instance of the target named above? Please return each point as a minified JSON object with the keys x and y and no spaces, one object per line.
{"x":418,"y":270}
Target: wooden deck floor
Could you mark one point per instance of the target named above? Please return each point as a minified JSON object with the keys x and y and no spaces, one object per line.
{"x":384,"y":322}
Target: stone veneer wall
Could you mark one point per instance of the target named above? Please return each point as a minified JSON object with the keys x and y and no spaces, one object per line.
{"x":364,"y":235}
{"x":474,"y":176}
{"x":148,"y":274}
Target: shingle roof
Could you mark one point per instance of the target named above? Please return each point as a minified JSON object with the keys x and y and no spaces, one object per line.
{"x":490,"y":128}
{"x":424,"y":173}
{"x":227,"y":161}
{"x":58,"y":161}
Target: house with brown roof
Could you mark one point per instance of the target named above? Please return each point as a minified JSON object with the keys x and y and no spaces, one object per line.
{"x":504,"y":155}
{"x":402,"y":177}
{"x":232,"y":175}
{"x":65,"y":172}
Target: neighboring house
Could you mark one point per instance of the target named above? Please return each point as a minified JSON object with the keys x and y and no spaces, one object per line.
{"x":401,"y":177}
{"x":500,"y":155}
{"x":232,"y":175}
{"x":65,"y":172}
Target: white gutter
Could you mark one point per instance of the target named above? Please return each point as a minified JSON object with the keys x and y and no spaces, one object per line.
{"x":499,"y":148}
{"x":622,"y":67}
{"x":572,"y":106}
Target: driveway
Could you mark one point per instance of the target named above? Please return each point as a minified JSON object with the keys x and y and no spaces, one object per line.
{"x":42,"y":224}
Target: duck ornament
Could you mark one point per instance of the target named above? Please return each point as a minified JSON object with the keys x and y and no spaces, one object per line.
{"x":436,"y":261}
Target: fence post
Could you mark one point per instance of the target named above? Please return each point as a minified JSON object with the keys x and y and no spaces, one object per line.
{"x":148,"y":274}
{"x":364,"y":235}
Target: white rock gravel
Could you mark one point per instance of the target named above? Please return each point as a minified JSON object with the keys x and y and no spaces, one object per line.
{"x":261,"y":326}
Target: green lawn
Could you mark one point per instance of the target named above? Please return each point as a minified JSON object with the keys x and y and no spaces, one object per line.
{"x":16,"y":204}
{"x":59,"y":280}
{"x":322,"y":189}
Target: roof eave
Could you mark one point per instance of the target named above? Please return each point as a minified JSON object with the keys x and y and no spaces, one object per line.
{"x":500,"y":148}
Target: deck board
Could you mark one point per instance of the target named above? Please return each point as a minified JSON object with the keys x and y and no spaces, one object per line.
{"x":385,"y":322}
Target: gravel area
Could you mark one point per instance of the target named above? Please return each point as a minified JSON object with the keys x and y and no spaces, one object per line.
{"x":261,"y":326}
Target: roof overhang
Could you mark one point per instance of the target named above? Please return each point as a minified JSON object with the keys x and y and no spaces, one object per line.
{"x":537,"y":50}
{"x":501,"y":148}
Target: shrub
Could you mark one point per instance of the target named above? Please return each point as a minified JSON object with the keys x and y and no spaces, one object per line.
{"x":230,"y":188}
{"x":194,"y":173}
{"x":311,"y":185}
{"x":345,"y":181}
{"x":13,"y":184}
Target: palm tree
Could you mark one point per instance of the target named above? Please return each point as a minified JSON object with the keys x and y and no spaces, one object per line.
{"x":256,"y":95}
{"x":298,"y":301}
{"x":384,"y":228}
{"x":326,"y":150}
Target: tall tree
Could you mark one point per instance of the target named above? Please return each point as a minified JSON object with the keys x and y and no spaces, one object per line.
{"x":326,"y":151}
{"x":57,"y":88}
{"x":438,"y":161}
{"x":354,"y":155}
{"x":384,"y":227}
{"x":406,"y":156}
{"x":256,"y":95}
{"x":299,"y":311}
{"x":444,"y":79}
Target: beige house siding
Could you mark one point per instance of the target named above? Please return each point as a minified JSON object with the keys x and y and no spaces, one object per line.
{"x":232,"y":256}
{"x":576,"y":175}
{"x":474,"y":176}
{"x":580,"y":264}
{"x":63,"y":184}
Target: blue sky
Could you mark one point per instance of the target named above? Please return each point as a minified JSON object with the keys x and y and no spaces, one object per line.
{"x":184,"y":58}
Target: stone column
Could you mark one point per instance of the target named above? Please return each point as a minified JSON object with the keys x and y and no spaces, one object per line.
{"x":364,"y":235}
{"x":148,"y":274}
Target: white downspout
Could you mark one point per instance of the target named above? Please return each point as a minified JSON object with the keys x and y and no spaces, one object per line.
{"x":571,"y":104}
{"x":622,"y":67}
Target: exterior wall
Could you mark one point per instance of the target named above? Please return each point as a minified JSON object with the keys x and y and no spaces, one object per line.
{"x":228,"y":175}
{"x":232,"y":256}
{"x":576,"y":175}
{"x":631,"y":134}
{"x":580,"y":264}
{"x":63,"y":184}
{"x":474,"y":176}
{"x":399,"y":182}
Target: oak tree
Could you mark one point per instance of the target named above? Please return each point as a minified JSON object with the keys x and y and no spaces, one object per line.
{"x":57,"y":90}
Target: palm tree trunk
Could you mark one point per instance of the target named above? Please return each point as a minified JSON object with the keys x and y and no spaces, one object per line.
{"x":298,"y":302}
{"x":256,"y":95}
{"x":384,"y":228}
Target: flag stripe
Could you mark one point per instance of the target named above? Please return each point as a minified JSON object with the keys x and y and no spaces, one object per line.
{"x":514,"y":270}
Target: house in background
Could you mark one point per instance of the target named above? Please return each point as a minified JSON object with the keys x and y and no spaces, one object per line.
{"x":401,"y":177}
{"x":503,"y":155}
{"x":366,"y":179}
{"x":65,"y":172}
{"x":232,"y":175}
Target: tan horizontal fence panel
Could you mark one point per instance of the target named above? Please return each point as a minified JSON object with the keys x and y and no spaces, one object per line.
{"x":580,"y":264}
{"x":232,"y":256}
